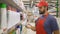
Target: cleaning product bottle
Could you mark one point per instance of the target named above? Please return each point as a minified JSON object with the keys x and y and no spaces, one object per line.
{"x":14,"y":32}
{"x":3,"y":16}
{"x":18,"y":29}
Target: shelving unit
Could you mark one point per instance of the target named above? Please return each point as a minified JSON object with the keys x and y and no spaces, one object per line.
{"x":17,"y":5}
{"x":11,"y":3}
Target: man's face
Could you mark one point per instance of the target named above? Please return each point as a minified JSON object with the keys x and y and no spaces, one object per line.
{"x":41,"y":10}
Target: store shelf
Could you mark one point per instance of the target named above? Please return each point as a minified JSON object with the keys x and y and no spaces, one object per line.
{"x":18,"y":7}
{"x":13,"y":20}
{"x":13,"y":27}
{"x":54,"y":1}
{"x":12,"y":3}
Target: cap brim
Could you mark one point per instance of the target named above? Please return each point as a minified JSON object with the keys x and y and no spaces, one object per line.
{"x":38,"y":5}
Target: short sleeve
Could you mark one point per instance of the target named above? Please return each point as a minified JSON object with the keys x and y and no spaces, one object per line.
{"x":54,"y":25}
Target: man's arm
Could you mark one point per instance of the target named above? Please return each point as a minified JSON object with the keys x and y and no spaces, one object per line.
{"x":54,"y":26}
{"x":56,"y":32}
{"x":31,"y":27}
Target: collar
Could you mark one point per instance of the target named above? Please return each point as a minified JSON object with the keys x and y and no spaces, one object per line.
{"x":45,"y":15}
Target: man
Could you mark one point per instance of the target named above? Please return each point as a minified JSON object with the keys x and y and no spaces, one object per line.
{"x":46,"y":24}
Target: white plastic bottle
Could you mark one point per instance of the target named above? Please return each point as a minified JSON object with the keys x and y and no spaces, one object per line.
{"x":18,"y":30}
{"x":3,"y":17}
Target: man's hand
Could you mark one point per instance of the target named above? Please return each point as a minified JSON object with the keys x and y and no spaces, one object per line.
{"x":28,"y":26}
{"x":31,"y":27}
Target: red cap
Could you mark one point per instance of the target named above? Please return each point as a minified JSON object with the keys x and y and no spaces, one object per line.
{"x":42,"y":3}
